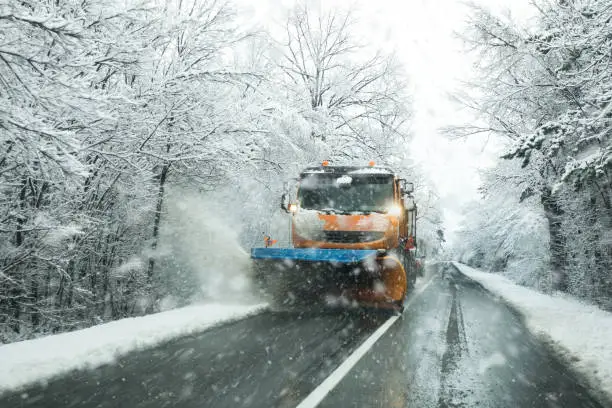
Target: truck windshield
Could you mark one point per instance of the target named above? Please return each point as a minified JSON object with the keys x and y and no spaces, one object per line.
{"x":344,"y":193}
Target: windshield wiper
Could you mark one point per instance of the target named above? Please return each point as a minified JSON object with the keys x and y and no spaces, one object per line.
{"x":345,"y":212}
{"x":333,"y":211}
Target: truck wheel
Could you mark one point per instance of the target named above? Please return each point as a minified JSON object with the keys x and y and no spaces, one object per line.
{"x":400,"y":306}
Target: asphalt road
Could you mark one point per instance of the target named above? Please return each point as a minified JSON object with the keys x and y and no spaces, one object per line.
{"x":455,"y":346}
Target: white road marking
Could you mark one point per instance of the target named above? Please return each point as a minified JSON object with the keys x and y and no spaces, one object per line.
{"x":316,"y":396}
{"x":420,"y":289}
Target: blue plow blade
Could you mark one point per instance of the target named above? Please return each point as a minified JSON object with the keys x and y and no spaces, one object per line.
{"x":314,"y":254}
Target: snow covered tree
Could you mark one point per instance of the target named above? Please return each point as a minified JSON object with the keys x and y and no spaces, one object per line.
{"x":353,"y":95}
{"x":103,"y":106}
{"x":547,"y":91}
{"x":118,"y":119}
{"x":503,"y":233}
{"x":55,"y":111}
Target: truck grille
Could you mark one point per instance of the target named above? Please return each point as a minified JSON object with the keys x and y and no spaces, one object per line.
{"x":352,"y":237}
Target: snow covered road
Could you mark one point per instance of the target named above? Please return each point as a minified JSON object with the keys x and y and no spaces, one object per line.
{"x":455,"y":346}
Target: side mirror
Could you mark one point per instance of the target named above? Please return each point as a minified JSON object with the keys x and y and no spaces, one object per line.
{"x":406,"y":187}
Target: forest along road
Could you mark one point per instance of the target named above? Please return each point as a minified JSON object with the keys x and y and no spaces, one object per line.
{"x":455,"y":346}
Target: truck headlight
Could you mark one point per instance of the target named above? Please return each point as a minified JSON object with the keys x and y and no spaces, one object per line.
{"x":395,"y":210}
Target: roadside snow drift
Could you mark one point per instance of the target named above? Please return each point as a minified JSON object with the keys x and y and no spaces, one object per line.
{"x":581,"y":333}
{"x":40,"y":359}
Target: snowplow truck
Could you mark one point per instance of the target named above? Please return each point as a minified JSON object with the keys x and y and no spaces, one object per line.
{"x":353,"y":235}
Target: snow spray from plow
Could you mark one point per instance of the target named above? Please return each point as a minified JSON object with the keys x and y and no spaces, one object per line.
{"x":206,"y":249}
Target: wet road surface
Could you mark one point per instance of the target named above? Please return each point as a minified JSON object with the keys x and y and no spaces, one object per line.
{"x":459,"y":346}
{"x":455,"y":346}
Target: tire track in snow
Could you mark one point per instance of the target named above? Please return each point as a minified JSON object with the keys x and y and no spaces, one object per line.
{"x":456,"y":348}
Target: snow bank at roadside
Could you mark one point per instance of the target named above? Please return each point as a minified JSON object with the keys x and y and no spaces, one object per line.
{"x":40,"y":359}
{"x":582,"y":333}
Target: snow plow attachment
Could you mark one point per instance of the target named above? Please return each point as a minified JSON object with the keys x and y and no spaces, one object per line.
{"x":295,"y":276}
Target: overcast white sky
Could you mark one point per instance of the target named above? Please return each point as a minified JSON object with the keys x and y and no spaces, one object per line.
{"x":422,"y":34}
